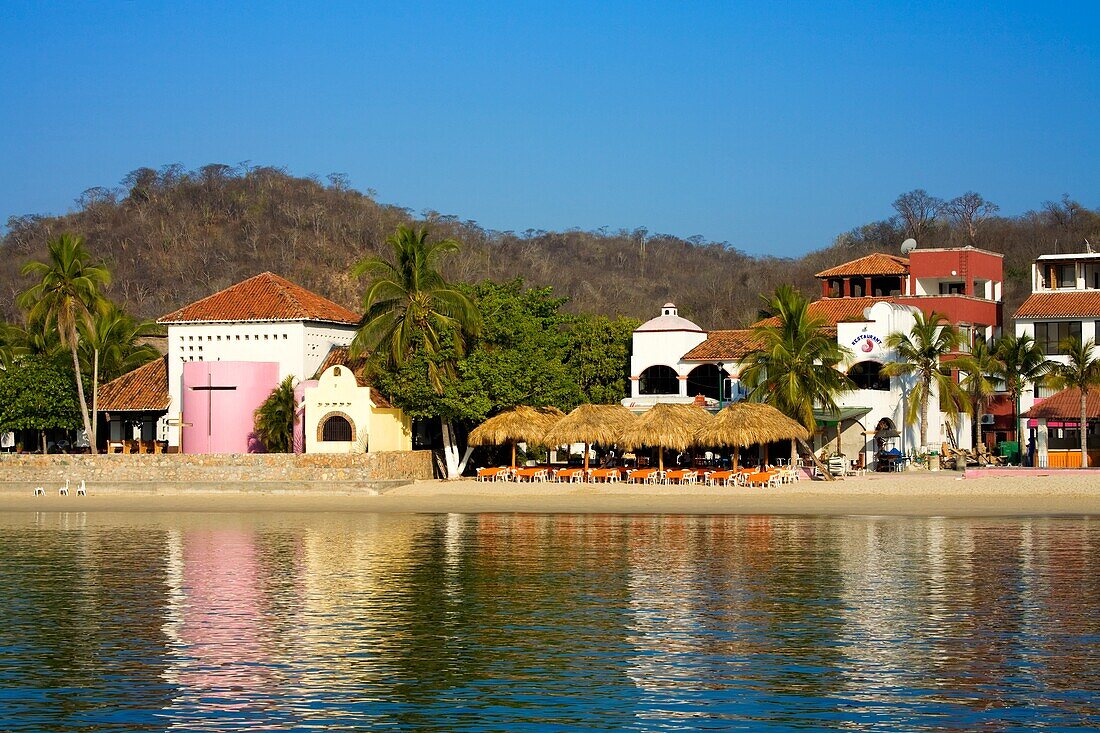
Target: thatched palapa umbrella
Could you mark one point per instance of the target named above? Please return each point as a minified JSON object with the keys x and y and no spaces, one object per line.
{"x":667,"y":426}
{"x":520,"y":424}
{"x":588,"y":424}
{"x":750,"y":423}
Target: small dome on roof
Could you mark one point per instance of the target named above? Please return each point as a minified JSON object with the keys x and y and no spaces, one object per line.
{"x":669,"y":320}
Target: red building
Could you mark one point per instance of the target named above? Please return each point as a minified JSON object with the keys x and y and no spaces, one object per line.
{"x":965,"y":285}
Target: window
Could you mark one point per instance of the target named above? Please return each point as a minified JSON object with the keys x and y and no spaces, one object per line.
{"x":868,"y":375}
{"x":1049,"y":335}
{"x":952,"y":288}
{"x":856,"y":288}
{"x":1092,"y":277}
{"x":336,"y":428}
{"x":1067,"y":276}
{"x":659,"y":379}
{"x":704,"y":379}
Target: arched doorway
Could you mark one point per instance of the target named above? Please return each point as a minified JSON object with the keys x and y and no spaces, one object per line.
{"x":706,"y":380}
{"x":659,"y":379}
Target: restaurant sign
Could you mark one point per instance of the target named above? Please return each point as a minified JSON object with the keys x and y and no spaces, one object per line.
{"x":866,"y":342}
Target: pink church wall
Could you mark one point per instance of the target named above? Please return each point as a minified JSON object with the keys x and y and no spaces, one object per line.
{"x":300,"y":416}
{"x":220,"y":420}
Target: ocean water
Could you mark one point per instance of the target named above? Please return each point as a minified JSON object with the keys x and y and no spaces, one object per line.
{"x":333,"y":622}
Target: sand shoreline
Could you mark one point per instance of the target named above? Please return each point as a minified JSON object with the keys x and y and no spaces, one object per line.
{"x":909,"y":494}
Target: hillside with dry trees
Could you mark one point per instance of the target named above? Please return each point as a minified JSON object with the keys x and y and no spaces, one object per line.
{"x":171,"y":236}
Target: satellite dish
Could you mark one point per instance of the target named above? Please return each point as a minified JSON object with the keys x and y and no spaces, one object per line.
{"x":908,"y":246}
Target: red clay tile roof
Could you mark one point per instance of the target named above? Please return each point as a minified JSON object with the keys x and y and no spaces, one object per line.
{"x":1067,"y":405}
{"x":836,"y":310}
{"x":145,"y":388}
{"x":265,"y":297}
{"x":1067,"y":304}
{"x":876,"y":263}
{"x":723,"y":346}
{"x":338,"y":356}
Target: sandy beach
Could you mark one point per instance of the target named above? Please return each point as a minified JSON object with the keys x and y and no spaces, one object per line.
{"x":914,"y":493}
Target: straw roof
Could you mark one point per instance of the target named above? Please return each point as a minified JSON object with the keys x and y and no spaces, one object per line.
{"x":603,"y":424}
{"x":518,"y":425}
{"x":667,"y":426}
{"x":750,"y":423}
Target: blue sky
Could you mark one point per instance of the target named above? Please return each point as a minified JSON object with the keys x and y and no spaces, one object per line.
{"x":773,"y":126}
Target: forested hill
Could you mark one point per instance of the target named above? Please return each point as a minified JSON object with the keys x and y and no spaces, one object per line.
{"x":173,"y":236}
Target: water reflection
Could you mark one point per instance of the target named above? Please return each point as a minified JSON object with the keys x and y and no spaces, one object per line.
{"x":492,"y":622}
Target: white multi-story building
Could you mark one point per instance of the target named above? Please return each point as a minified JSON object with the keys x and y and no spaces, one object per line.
{"x":1064,"y":303}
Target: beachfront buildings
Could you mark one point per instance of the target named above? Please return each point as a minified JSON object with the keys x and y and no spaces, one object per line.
{"x":862,"y":302}
{"x":1064,"y":303}
{"x":226,"y":353}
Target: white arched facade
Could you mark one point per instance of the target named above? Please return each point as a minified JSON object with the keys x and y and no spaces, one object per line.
{"x":662,"y":341}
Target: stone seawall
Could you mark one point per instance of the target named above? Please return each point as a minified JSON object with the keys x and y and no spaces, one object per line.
{"x":332,"y":472}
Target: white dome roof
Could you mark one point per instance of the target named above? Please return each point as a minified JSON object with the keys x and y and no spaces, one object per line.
{"x":669,"y":320}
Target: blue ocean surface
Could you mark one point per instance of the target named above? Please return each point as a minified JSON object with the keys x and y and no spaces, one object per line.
{"x":332,"y":622}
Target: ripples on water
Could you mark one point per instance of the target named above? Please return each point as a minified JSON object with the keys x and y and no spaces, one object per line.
{"x":534,"y":623}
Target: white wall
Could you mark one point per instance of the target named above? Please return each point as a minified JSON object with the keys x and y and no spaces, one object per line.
{"x":298,"y":348}
{"x":651,"y":348}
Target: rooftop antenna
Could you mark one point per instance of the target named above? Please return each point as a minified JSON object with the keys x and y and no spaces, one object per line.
{"x":908,"y":246}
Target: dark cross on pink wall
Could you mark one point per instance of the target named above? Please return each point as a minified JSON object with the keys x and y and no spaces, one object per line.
{"x":209,"y":388}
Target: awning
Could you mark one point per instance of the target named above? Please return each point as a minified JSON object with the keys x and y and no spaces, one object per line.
{"x":829,"y":418}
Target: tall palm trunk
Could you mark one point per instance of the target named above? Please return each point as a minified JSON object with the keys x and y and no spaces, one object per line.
{"x":977,"y":424}
{"x":924,"y":413}
{"x":95,"y":398}
{"x":1084,"y":431}
{"x":80,"y":392}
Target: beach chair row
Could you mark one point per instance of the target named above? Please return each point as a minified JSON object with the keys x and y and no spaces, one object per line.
{"x":739,"y":477}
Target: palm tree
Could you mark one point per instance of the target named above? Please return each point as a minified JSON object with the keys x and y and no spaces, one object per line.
{"x":1023,"y":363}
{"x":794,"y":367}
{"x":981,"y":366}
{"x":111,"y":342}
{"x":1081,"y":372}
{"x":274,"y":419}
{"x":410,"y":308}
{"x":65,"y":296}
{"x":920,"y":353}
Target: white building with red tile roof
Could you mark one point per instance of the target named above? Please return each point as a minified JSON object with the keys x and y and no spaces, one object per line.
{"x":863,"y":301}
{"x":265,"y":318}
{"x":1064,"y":303}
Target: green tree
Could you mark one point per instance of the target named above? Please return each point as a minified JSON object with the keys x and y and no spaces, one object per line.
{"x":1022,"y":363}
{"x":920,"y":354}
{"x":598,"y":356}
{"x":981,"y":366}
{"x":274,"y":419}
{"x":517,"y":358}
{"x":795,"y":366}
{"x":409,"y":307}
{"x":11,"y":345}
{"x":65,"y":295}
{"x":1081,"y":372}
{"x":37,"y":394}
{"x":411,"y":310}
{"x":111,"y":345}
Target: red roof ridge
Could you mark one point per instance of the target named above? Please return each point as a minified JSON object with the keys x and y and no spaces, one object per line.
{"x":246,"y":301}
{"x":1061,"y":304}
{"x":852,"y":266}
